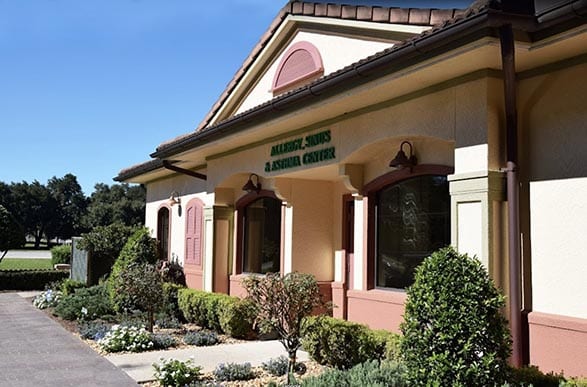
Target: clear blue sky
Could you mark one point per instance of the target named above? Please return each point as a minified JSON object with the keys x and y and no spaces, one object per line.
{"x":93,"y":86}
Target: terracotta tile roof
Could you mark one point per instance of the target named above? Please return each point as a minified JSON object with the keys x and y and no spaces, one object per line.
{"x":391,"y":15}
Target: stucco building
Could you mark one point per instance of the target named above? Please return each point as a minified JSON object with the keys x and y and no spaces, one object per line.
{"x":297,"y":167}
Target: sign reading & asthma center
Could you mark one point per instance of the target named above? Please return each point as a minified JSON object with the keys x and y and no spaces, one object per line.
{"x":297,"y":145}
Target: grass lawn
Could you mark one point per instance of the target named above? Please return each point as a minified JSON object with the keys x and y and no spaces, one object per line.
{"x":20,"y":263}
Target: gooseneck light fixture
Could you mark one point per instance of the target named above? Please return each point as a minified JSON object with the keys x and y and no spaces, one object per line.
{"x":174,"y":199}
{"x":250,"y":186}
{"x":401,"y":160}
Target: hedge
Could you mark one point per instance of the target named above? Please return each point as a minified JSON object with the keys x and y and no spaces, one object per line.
{"x":29,"y":279}
{"x":343,"y":344}
{"x":215,"y":311}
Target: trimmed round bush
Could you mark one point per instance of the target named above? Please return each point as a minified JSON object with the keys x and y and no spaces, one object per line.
{"x":139,"y":249}
{"x":454,"y":333}
{"x":344,"y":344}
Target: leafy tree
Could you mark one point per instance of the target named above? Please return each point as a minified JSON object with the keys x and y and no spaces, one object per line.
{"x":34,"y":207}
{"x":11,"y":234}
{"x":282,"y":303}
{"x":119,"y":203}
{"x":142,"y":287}
{"x":71,"y":205}
{"x":454,"y":333}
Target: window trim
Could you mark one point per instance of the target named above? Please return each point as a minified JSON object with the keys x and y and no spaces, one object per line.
{"x":241,"y":206}
{"x":370,"y":191}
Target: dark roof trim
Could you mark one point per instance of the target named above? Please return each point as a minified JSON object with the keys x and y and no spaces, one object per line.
{"x":139,"y":169}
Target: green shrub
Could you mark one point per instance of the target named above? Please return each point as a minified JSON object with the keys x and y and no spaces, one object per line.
{"x":236,"y":317}
{"x":69,"y":286}
{"x":343,"y":344}
{"x":454,"y":333}
{"x":104,"y":243}
{"x":139,"y":249}
{"x":171,"y":306}
{"x":171,"y":271}
{"x":226,"y":372}
{"x":163,"y":341}
{"x":532,"y":376}
{"x":279,"y":366}
{"x":215,"y":311}
{"x":200,"y":338}
{"x":94,"y":330}
{"x":61,"y":254}
{"x":172,"y":372}
{"x":368,"y":374}
{"x":29,"y":279}
{"x":86,"y":304}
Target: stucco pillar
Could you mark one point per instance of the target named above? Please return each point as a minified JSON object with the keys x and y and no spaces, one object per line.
{"x":360,"y":239}
{"x":287,"y":236}
{"x":223,"y":247}
{"x":208,"y":248}
{"x":476,"y":215}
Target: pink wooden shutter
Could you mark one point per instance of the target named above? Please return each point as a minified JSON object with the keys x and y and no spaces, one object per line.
{"x":193,"y":234}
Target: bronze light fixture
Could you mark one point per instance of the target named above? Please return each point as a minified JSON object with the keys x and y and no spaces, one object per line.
{"x":174,"y":199}
{"x":250,"y":186}
{"x":401,"y":160}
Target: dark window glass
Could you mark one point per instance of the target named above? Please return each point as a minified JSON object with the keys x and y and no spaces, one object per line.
{"x":262,"y":236}
{"x":163,"y":233}
{"x":413,"y":221}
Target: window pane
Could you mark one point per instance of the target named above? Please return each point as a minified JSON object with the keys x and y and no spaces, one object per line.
{"x":413,"y":221}
{"x":262,"y":235}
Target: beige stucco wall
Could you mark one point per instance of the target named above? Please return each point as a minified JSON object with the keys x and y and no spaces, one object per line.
{"x":337,"y":51}
{"x":157,"y":195}
{"x":553,"y":116}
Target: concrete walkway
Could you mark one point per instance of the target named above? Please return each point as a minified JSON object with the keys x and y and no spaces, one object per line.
{"x":140,"y":366}
{"x":37,"y":351}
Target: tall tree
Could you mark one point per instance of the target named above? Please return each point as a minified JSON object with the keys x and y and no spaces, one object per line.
{"x":71,"y":205}
{"x":119,"y":203}
{"x":34,"y":207}
{"x":11,"y":233}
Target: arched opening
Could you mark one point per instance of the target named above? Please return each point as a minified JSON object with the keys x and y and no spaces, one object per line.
{"x":410,"y":219}
{"x":163,"y":231}
{"x":260,"y":244}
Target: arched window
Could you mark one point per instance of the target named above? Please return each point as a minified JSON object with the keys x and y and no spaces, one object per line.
{"x":411,"y":220}
{"x":163,"y":228}
{"x":260,"y":220}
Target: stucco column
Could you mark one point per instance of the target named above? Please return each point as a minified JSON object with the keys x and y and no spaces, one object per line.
{"x":477,"y":208}
{"x":208,"y":248}
{"x":287,"y":242}
{"x":360,"y":239}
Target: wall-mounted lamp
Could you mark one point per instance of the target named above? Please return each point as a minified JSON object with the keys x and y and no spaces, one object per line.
{"x":250,"y":186}
{"x":174,"y":199}
{"x":401,"y":160}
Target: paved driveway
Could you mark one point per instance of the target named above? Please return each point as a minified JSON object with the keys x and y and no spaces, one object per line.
{"x":37,"y":351}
